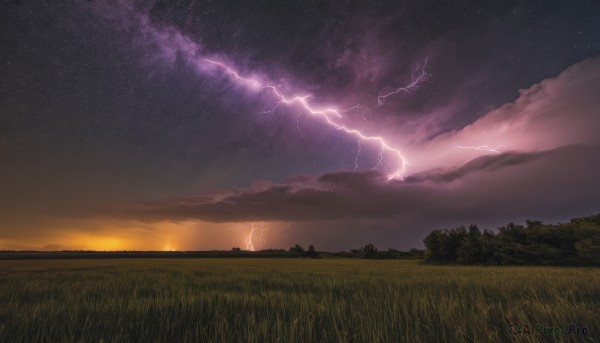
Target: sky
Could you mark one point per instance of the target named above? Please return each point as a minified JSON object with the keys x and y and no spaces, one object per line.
{"x":201,"y":125}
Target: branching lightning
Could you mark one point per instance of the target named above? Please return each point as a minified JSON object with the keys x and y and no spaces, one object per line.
{"x":380,"y":158}
{"x":263,"y":233}
{"x":329,"y":115}
{"x":171,"y":42}
{"x":357,"y":155}
{"x":419,"y":75}
{"x":253,"y":230}
{"x":249,"y":243}
{"x":487,"y":148}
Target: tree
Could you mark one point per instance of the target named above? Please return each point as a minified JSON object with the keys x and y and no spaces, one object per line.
{"x":487,"y":243}
{"x":311,"y":251}
{"x":433,"y":246}
{"x":446,"y":246}
{"x":456,"y":238}
{"x":589,"y":248}
{"x":469,"y":250}
{"x":370,"y":251}
{"x":297,"y":249}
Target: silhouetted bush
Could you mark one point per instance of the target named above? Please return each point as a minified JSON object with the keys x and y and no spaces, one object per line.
{"x":370,"y":251}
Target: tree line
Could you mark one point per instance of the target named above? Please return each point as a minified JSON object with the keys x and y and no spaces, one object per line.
{"x":368,"y":251}
{"x":536,"y":243}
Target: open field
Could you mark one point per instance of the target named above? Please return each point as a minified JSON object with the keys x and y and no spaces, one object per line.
{"x":290,"y":300}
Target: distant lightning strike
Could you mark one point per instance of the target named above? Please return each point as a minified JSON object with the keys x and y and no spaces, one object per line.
{"x":298,"y":124}
{"x":263,"y":233}
{"x":249,"y":243}
{"x":250,"y":239}
{"x":328,"y":114}
{"x":357,"y":155}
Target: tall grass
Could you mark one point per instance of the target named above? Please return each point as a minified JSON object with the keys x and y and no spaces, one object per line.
{"x":289,"y":300}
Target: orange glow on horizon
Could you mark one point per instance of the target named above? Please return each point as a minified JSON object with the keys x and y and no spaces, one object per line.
{"x":114,"y":235}
{"x":107,"y":244}
{"x":169,"y":247}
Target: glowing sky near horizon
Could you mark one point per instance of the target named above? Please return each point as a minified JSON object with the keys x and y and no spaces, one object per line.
{"x":133,"y":124}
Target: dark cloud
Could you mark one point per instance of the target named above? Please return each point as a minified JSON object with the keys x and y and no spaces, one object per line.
{"x":480,"y":164}
{"x":508,"y":183}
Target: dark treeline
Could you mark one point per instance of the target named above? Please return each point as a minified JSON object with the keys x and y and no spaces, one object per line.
{"x":371,"y":252}
{"x":368,"y":251}
{"x":536,"y":243}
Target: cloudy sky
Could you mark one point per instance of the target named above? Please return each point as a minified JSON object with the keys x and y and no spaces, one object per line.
{"x":184,"y":125}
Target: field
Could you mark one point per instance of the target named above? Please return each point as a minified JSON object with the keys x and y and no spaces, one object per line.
{"x":291,"y":300}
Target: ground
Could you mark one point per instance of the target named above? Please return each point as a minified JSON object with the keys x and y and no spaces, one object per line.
{"x":293,"y":300}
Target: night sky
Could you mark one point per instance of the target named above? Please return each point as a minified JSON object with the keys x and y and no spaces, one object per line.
{"x":184,"y":124}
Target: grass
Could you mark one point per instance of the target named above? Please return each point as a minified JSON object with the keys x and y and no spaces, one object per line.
{"x":289,"y":300}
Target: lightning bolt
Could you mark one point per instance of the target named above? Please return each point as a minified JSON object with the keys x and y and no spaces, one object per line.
{"x":419,"y":75}
{"x":298,"y":124}
{"x":263,"y":233}
{"x":357,"y":156}
{"x":171,"y":41}
{"x":329,"y":115}
{"x":249,"y":243}
{"x":380,"y":158}
{"x":496,"y":150}
{"x":250,"y":239}
{"x":487,"y":148}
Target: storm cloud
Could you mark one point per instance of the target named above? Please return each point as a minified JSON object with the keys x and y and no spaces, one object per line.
{"x":551,"y":163}
{"x":509,"y":183}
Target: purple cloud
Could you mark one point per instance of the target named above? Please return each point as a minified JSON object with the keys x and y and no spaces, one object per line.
{"x":510,"y":182}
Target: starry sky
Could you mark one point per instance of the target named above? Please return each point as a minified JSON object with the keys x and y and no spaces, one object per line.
{"x":159,"y":125}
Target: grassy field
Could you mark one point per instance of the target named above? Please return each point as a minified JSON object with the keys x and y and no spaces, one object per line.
{"x":290,"y":300}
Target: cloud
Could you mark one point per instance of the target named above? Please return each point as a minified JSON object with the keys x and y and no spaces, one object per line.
{"x":480,"y":164}
{"x":507,"y":183}
{"x":556,"y":112}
